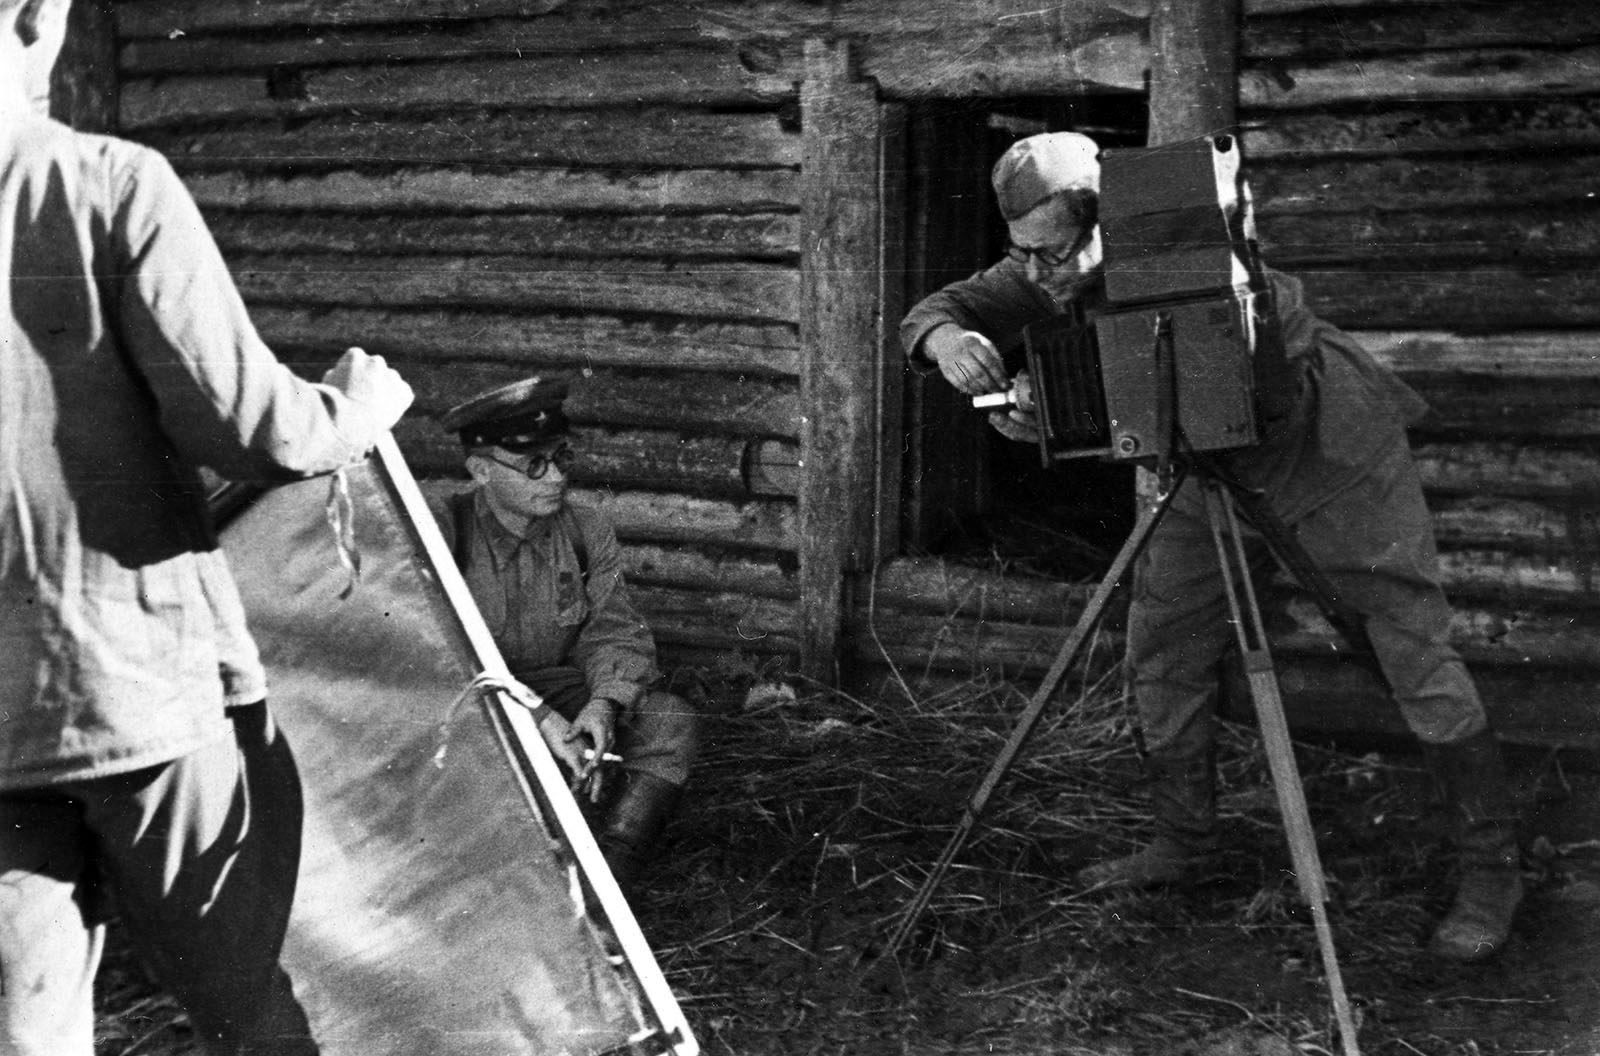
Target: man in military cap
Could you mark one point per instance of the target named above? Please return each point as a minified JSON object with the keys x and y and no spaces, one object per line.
{"x":1334,"y":464}
{"x":547,"y":577}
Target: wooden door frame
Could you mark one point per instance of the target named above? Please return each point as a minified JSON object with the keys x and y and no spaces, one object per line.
{"x":852,"y":192}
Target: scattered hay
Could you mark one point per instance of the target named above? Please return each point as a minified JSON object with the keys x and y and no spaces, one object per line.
{"x":815,"y":819}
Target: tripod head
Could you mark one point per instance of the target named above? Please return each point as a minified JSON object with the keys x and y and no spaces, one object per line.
{"x":1177,"y":347}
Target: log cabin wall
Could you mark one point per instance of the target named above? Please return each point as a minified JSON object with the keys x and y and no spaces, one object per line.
{"x":1430,"y":170}
{"x":487,"y":188}
{"x":484,"y":189}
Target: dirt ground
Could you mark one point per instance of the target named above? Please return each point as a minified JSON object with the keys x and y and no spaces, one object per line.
{"x":813,"y":820}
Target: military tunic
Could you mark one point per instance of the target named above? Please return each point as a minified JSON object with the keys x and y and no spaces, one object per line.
{"x":1334,"y":464}
{"x":557,"y":607}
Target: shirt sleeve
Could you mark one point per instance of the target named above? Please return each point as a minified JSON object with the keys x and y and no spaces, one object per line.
{"x":997,"y":302}
{"x":615,"y":648}
{"x":224,"y":399}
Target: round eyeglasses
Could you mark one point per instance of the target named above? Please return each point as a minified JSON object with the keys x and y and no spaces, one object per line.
{"x":1048,"y":257}
{"x":539,"y":463}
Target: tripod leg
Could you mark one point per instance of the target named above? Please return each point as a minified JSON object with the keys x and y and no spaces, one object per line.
{"x":1068,"y":655}
{"x":1268,"y":700}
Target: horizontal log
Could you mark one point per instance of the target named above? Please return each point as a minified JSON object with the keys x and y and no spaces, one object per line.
{"x":681,"y":76}
{"x":706,"y":403}
{"x":1258,"y":8}
{"x":743,"y":290}
{"x":1344,"y":184}
{"x":1515,"y":236}
{"x":1537,"y":707}
{"x":1379,"y":30}
{"x":223,"y":48}
{"x":995,"y":648}
{"x":675,"y":137}
{"x":974,"y":21}
{"x":761,"y":236}
{"x":536,"y":342}
{"x":1558,"y":355}
{"x":1006,"y":62}
{"x":704,"y":465}
{"x":724,"y":620}
{"x":645,"y":458}
{"x":572,"y":24}
{"x":666,"y":518}
{"x":911,"y":50}
{"x":942,"y":587}
{"x":1468,"y":299}
{"x":1537,"y":125}
{"x":1514,"y":524}
{"x":720,"y":572}
{"x":663,"y":517}
{"x":162,"y":18}
{"x":1567,"y":409}
{"x":1487,"y":636}
{"x":1509,"y":469}
{"x":1515,"y":577}
{"x":1487,"y":72}
{"x":533,"y":190}
{"x":684,"y":566}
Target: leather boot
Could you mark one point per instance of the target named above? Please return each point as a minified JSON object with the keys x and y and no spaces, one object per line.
{"x":1473,"y":778}
{"x":634,"y":823}
{"x":1183,"y":794}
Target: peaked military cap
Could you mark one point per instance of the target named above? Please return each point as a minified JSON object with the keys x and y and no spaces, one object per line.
{"x":522,"y":414}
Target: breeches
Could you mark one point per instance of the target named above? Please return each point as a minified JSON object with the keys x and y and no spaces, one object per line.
{"x":1374,"y":542}
{"x":661,"y":737}
{"x":200,"y":856}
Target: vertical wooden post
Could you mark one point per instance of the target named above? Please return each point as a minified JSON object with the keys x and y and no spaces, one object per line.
{"x":83,"y":85}
{"x":1194,"y":85}
{"x":1194,"y":73}
{"x":843,"y":362}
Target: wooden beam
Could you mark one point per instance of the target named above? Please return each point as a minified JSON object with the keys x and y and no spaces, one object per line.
{"x":626,"y":136}
{"x":1194,"y":72}
{"x":669,"y":518}
{"x":541,"y":189}
{"x":754,"y":236}
{"x":1536,"y":125}
{"x":1378,"y":30}
{"x":1194,"y":77}
{"x":841,"y":349}
{"x":537,"y":341}
{"x":1507,"y":72}
{"x":744,"y":290}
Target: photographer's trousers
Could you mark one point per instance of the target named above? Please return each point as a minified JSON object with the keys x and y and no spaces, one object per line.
{"x":1373,"y":540}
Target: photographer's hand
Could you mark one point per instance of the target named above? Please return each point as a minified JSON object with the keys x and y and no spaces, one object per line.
{"x":1021,"y":423}
{"x":967,"y":359}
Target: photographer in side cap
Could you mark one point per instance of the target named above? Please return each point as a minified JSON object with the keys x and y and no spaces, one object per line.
{"x":1334,"y":465}
{"x":547,"y":577}
{"x":139,"y":764}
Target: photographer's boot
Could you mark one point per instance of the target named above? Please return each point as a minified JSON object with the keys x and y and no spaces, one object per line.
{"x":1183,"y":795}
{"x":634,"y":823}
{"x":1477,"y":794}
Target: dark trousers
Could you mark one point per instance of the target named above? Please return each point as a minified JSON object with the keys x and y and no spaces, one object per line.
{"x":199,"y":855}
{"x":1373,"y":541}
{"x":660,"y":738}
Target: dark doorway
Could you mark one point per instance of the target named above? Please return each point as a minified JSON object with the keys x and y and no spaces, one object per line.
{"x":973,"y":496}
